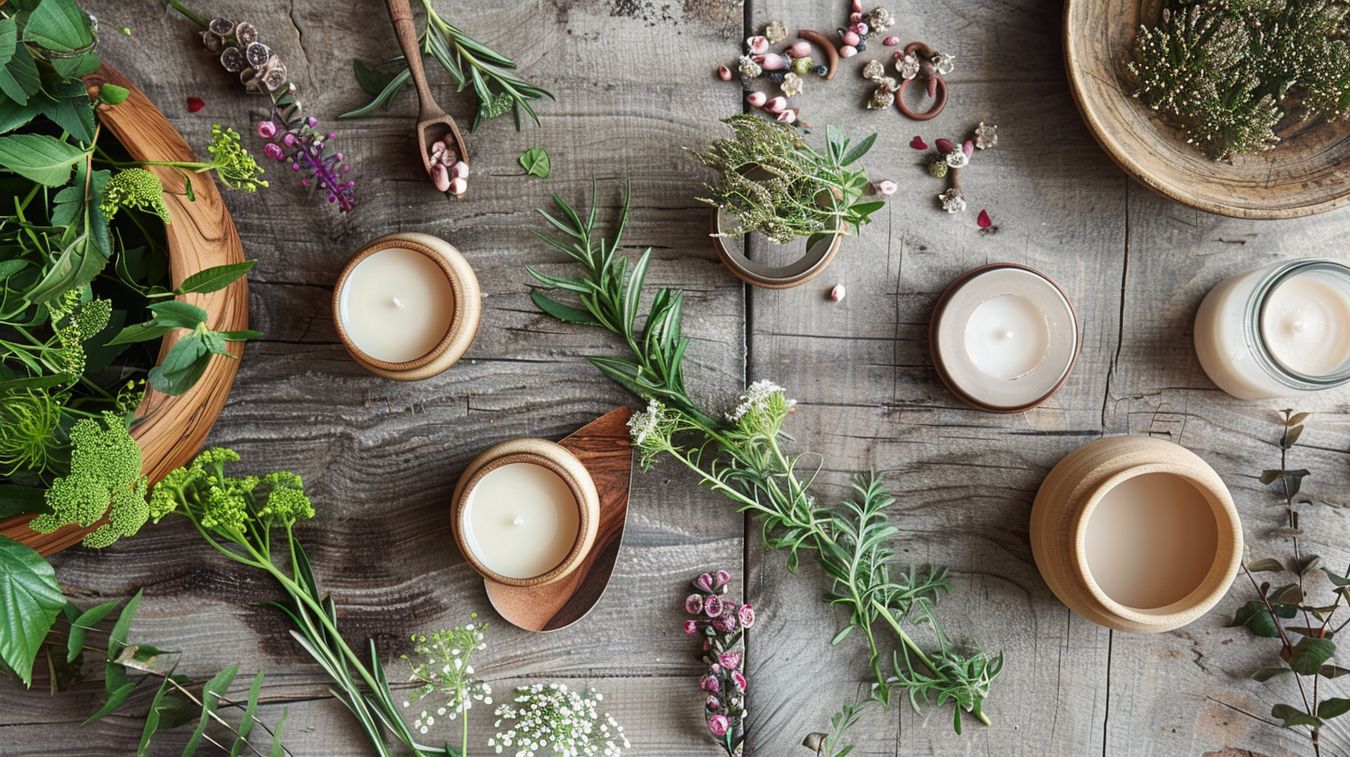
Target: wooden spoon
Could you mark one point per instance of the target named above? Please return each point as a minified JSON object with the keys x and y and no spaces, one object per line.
{"x":433,"y":123}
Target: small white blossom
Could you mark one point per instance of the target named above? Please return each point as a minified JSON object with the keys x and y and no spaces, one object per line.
{"x":952,"y":201}
{"x":791,"y":85}
{"x":748,"y":67}
{"x":756,"y":399}
{"x":556,"y":718}
{"x":908,"y":66}
{"x":957,"y":158}
{"x":986,"y":136}
{"x":944,"y":62}
{"x":645,"y":424}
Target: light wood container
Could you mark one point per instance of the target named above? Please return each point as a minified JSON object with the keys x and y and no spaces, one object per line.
{"x":1067,"y":500}
{"x":170,"y":430}
{"x":555,"y":458}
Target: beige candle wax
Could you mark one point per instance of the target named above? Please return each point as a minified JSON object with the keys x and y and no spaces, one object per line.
{"x":396,"y":305}
{"x":521,"y":520}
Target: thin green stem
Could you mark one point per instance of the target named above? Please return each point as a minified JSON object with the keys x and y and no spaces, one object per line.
{"x":187,"y":12}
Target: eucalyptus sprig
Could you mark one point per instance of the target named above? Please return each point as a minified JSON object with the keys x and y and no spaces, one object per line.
{"x":745,"y":458}
{"x":470,"y":64}
{"x":1305,"y":648}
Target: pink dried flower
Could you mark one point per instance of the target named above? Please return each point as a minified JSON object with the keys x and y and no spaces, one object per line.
{"x":704,"y":582}
{"x":195,"y":104}
{"x":725,"y":624}
{"x":722,"y":578}
{"x":746,"y":615}
{"x":713,"y":703}
{"x":267,"y":129}
{"x":274,"y":151}
{"x":983,"y":220}
{"x":718,"y":725}
{"x":730,"y":660}
{"x":918,"y":144}
{"x":693,"y":604}
{"x":885,"y":188}
{"x":739,"y":680}
{"x":757,"y":45}
{"x":710,"y":683}
{"x":968,"y":147}
{"x":691,"y":627}
{"x":724,"y":73}
{"x":712,"y":606}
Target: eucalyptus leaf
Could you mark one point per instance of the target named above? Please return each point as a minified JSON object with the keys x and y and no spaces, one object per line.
{"x":1333,"y":707}
{"x":1265,"y":674}
{"x":215,"y":278}
{"x":1265,"y":565}
{"x":1291,"y":716}
{"x":1257,"y":619}
{"x":1309,"y":654}
{"x":30,"y":600}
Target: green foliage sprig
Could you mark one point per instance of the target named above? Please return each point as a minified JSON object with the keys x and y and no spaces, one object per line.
{"x":781,"y":187}
{"x":470,"y":64}
{"x":1227,"y":72}
{"x":1306,"y":628}
{"x":745,"y":458}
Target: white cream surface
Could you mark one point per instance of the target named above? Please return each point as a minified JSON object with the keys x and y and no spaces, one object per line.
{"x":1306,"y":323}
{"x":521,"y":520}
{"x":1007,"y":336}
{"x":396,"y":305}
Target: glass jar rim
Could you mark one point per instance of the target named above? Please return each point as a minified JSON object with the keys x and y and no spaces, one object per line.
{"x":1255,"y":334}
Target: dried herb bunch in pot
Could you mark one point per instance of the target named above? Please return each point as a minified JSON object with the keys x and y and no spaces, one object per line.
{"x":1227,"y":72}
{"x":776,"y":184}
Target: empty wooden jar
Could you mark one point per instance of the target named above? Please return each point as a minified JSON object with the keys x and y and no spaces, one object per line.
{"x":1136,"y":534}
{"x":526,"y":513}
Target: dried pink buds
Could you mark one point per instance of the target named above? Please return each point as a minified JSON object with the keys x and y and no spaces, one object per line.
{"x":757,"y":99}
{"x":448,"y":172}
{"x":837,"y":293}
{"x":724,"y":683}
{"x":885,"y":187}
{"x":757,"y":45}
{"x":724,"y":73}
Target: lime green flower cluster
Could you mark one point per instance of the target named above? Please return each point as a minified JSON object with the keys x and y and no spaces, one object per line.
{"x":234,"y":507}
{"x":137,"y":189}
{"x":233,"y":164}
{"x":76,"y":322}
{"x":105,"y":478}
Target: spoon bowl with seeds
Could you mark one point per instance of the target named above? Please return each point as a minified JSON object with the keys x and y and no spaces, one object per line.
{"x":444,"y":156}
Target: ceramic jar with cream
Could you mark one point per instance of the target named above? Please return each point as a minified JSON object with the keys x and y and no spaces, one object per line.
{"x":1136,"y":534}
{"x":1281,"y":330}
{"x":407,"y":306}
{"x":526,"y":513}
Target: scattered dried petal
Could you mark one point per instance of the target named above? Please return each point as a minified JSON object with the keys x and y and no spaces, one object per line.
{"x":885,"y":187}
{"x":983,"y":221}
{"x":917,"y":143}
{"x":874,"y":69}
{"x":195,"y":104}
{"x":837,"y":293}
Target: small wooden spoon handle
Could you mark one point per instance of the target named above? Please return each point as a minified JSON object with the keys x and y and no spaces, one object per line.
{"x":400,"y":12}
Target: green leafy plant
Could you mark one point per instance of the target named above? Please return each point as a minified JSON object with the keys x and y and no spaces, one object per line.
{"x":1306,"y":628}
{"x":781,"y":187}
{"x":535,"y":162}
{"x":32,"y":600}
{"x":745,"y":457}
{"x":470,"y":64}
{"x":1226,"y":73}
{"x":104,"y":480}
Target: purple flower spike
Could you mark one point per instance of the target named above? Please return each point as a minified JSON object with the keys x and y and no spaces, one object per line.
{"x":712,"y":606}
{"x":718,"y":725}
{"x":723,"y":578}
{"x":747,"y":616}
{"x":311,"y":122}
{"x":693,"y":604}
{"x":704,"y":582}
{"x":709,"y":683}
{"x":690,"y":627}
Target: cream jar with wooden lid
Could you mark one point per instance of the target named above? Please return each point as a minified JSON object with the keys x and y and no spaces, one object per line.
{"x":526,"y":513}
{"x":1136,"y":534}
{"x":407,"y":306}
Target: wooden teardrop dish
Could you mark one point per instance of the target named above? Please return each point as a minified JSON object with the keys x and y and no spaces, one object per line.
{"x":170,"y":430}
{"x":1170,"y":534}
{"x":1307,"y":172}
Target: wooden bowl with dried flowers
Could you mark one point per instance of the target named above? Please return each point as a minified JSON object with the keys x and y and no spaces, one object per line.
{"x":169,"y":429}
{"x":1274,"y":156}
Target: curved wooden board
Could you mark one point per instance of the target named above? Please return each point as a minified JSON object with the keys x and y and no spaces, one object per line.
{"x":170,"y":430}
{"x":604,"y":448}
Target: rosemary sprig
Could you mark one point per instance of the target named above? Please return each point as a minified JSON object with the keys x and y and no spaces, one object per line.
{"x":470,"y":63}
{"x":744,"y":459}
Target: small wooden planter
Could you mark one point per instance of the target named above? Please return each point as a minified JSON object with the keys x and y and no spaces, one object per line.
{"x":169,"y":429}
{"x":820,"y":251}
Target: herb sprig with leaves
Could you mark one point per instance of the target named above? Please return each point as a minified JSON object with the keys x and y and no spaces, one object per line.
{"x":745,"y":458}
{"x":470,"y":64}
{"x":1305,"y":628}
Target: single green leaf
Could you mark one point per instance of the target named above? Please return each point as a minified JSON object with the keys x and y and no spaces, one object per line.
{"x":1333,"y":671}
{"x":1333,"y":707}
{"x":859,"y":150}
{"x":116,"y":698}
{"x":1309,"y":655}
{"x":78,"y":264}
{"x":9,"y":39}
{"x":16,"y":499}
{"x":60,"y":26}
{"x":19,"y":79}
{"x":1336,"y":579}
{"x":41,"y":158}
{"x":79,"y":628}
{"x":182,"y":315}
{"x":183,"y":377}
{"x":30,"y":600}
{"x":117,"y":638}
{"x":277,"y":749}
{"x":152,"y":718}
{"x":250,"y":712}
{"x":564,"y":313}
{"x":140,"y":332}
{"x":370,"y":79}
{"x":1292,"y":716}
{"x":212,"y":691}
{"x":1256,"y":617}
{"x":240,"y":336}
{"x":1265,"y":565}
{"x":535,"y":161}
{"x":1287,"y":595}
{"x":215,"y":278}
{"x":1265,"y":674}
{"x":382,"y":99}
{"x":70,"y":109}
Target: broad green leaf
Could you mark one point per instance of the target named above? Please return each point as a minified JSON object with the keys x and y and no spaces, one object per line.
{"x":216,"y":278}
{"x":182,"y":315}
{"x":79,"y":263}
{"x":1265,"y":674}
{"x":76,"y":66}
{"x":9,"y":39}
{"x":117,"y":638}
{"x":19,"y":79}
{"x":14,"y":114}
{"x":140,"y":332}
{"x":564,"y":313}
{"x":116,"y":698}
{"x":30,"y":600}
{"x":212,"y":691}
{"x":1309,"y":655}
{"x":1265,"y":565}
{"x":21,"y":500}
{"x":1256,"y":617}
{"x":1333,"y":707}
{"x":535,"y":161}
{"x":370,"y":79}
{"x":1292,"y":716}
{"x":1338,"y":580}
{"x":72,"y":111}
{"x":79,"y":628}
{"x":59,"y":25}
{"x":182,"y":367}
{"x":46,"y":160}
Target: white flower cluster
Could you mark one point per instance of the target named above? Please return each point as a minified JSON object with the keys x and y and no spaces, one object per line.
{"x":444,"y":669}
{"x":553,"y":717}
{"x":647,"y":423}
{"x":757,"y":398}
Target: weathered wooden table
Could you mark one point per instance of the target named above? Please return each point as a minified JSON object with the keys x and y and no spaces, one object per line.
{"x":634,"y":86}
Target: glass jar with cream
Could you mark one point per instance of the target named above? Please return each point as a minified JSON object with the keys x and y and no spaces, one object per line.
{"x":1278,"y":331}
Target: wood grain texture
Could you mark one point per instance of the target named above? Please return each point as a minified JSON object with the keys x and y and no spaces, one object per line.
{"x":635,"y":84}
{"x":168,"y":429}
{"x":603,"y":447}
{"x":1306,"y":173}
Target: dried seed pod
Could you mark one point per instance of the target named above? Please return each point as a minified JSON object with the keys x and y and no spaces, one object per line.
{"x":222,"y":27}
{"x":232,"y":58}
{"x":275,"y":78}
{"x":246,"y":33}
{"x":212,"y":41}
{"x":257,"y":54}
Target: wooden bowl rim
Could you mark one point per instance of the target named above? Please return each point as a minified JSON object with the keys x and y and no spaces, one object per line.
{"x":561,"y":462}
{"x":767,"y":277}
{"x":1127,"y":162}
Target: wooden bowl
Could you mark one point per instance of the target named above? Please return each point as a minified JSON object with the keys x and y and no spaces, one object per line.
{"x":169,"y":429}
{"x":1307,"y":172}
{"x":1185,"y":564}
